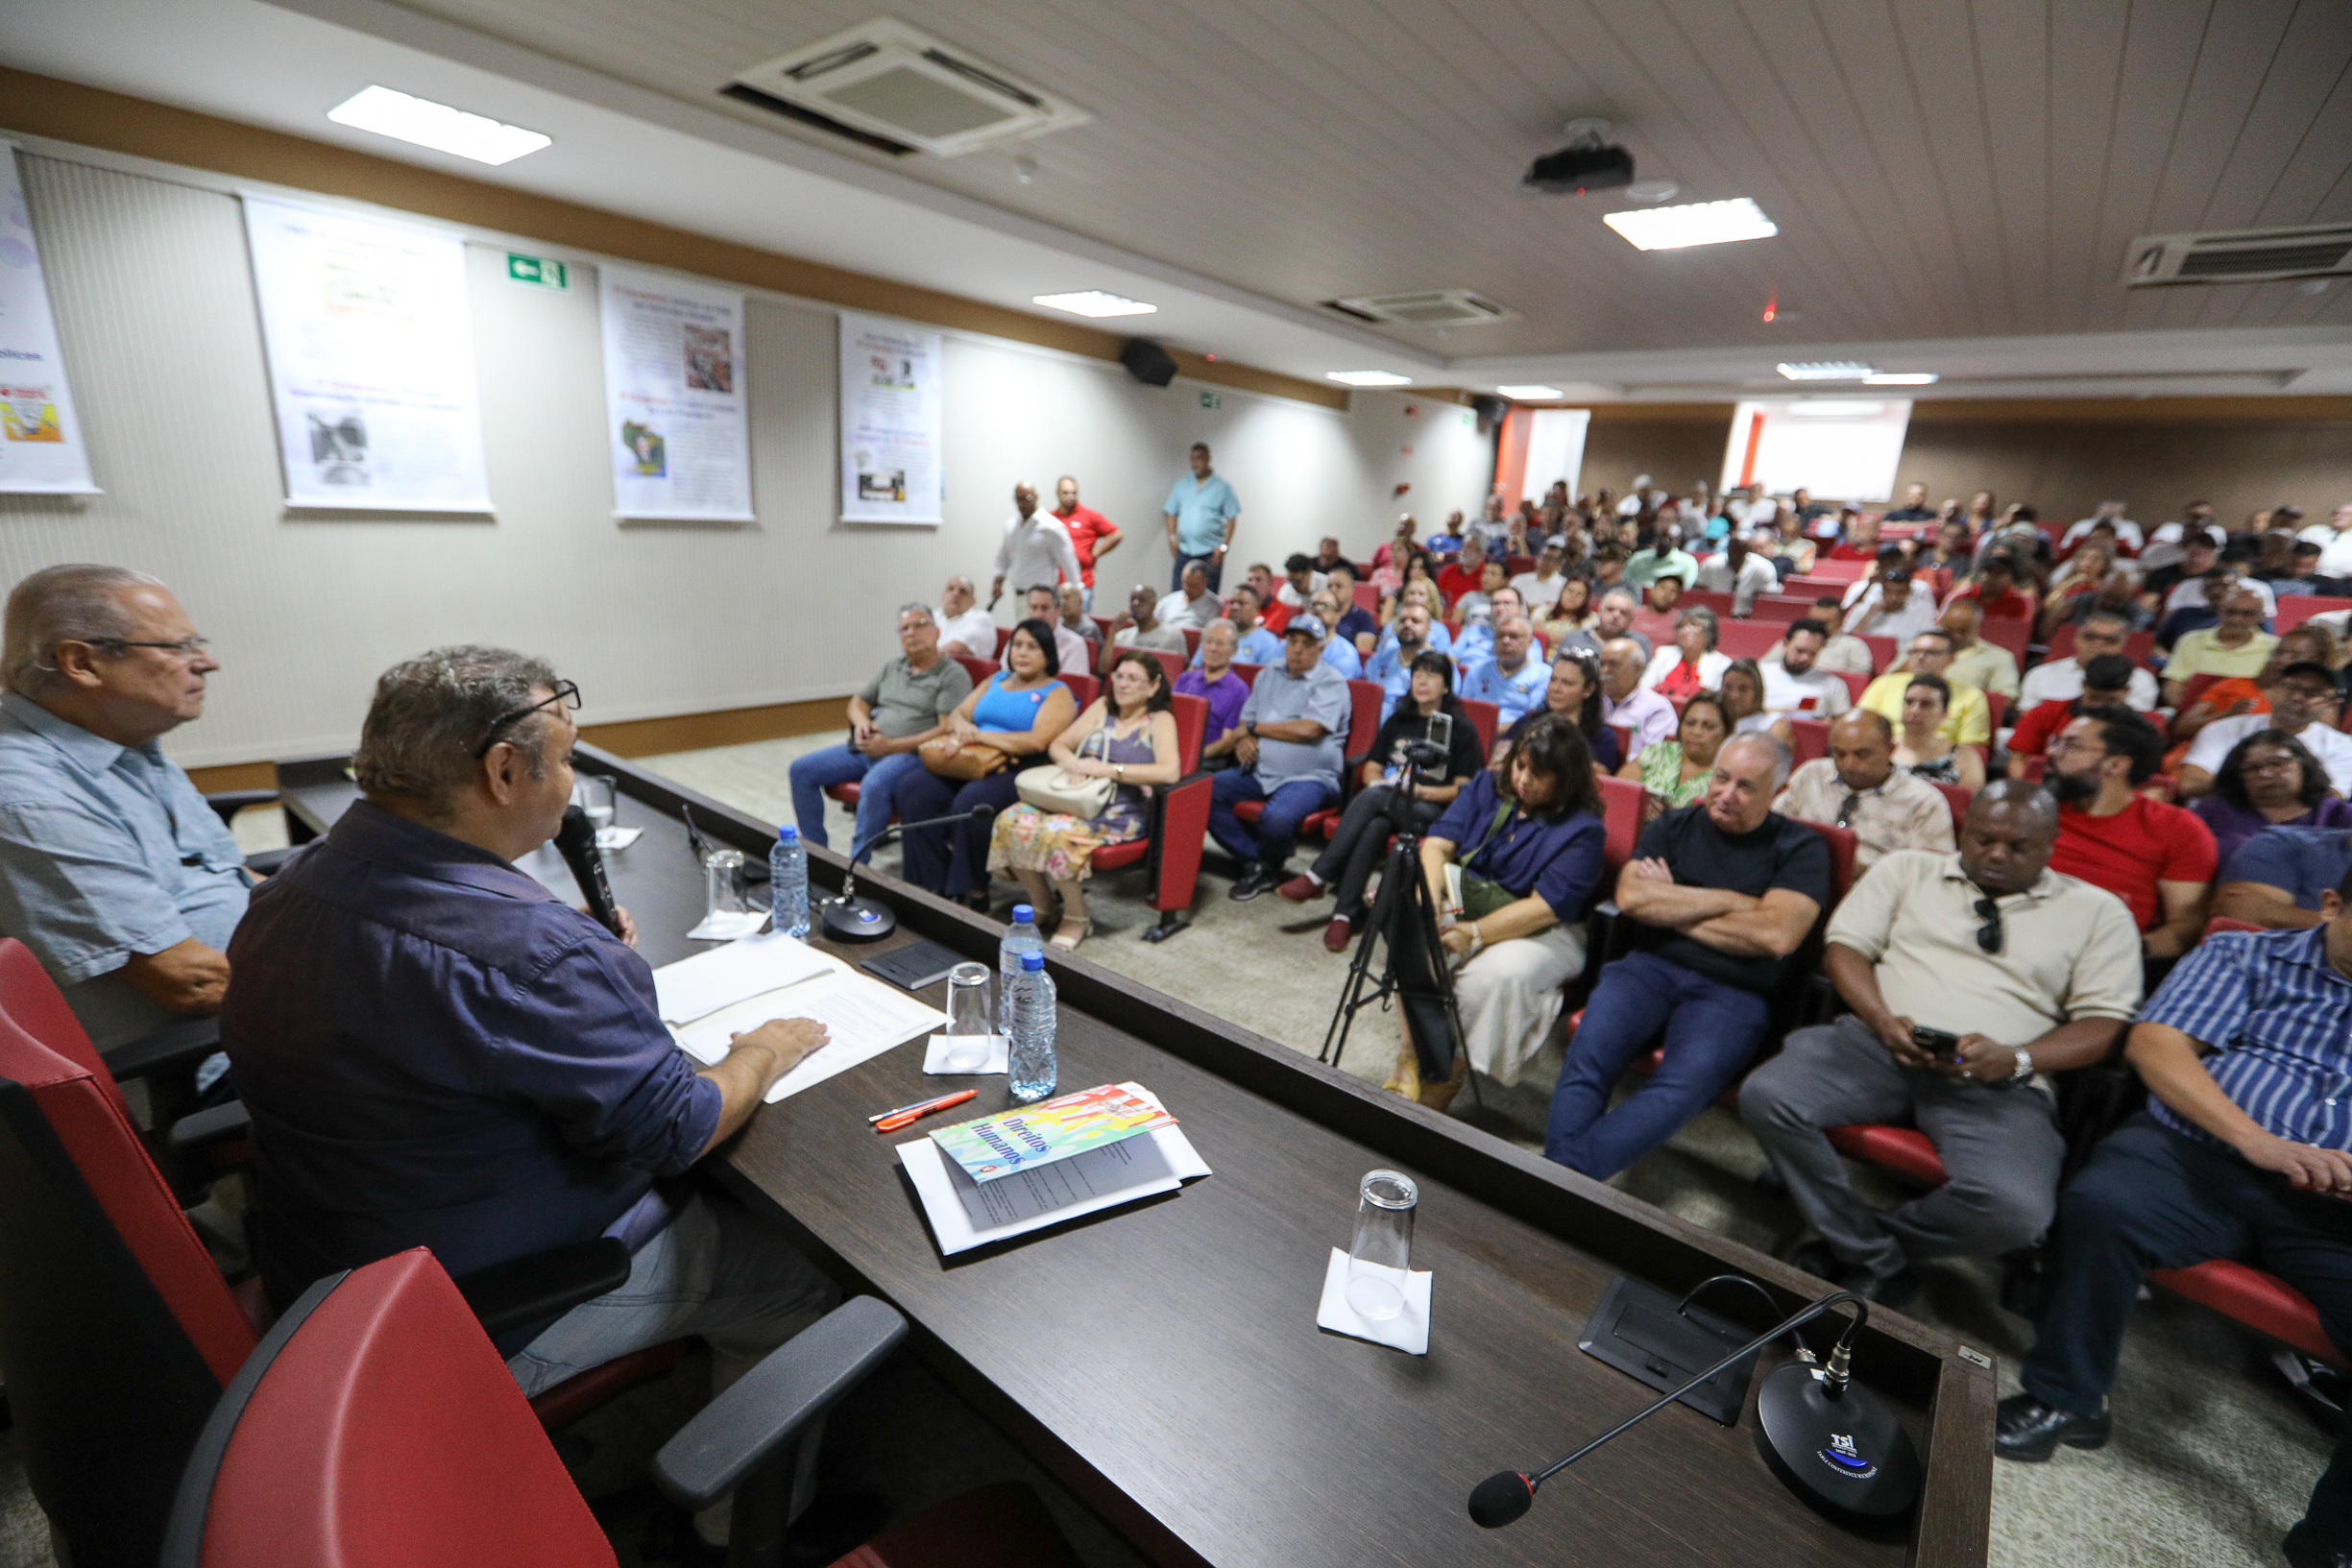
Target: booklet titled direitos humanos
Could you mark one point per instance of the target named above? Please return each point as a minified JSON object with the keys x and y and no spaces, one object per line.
{"x":1024,"y":1138}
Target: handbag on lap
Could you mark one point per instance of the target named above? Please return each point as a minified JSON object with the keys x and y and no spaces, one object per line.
{"x":975,"y":759}
{"x":1055,"y":788}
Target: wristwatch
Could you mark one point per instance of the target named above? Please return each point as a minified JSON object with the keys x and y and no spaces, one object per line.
{"x":2024,"y":1065}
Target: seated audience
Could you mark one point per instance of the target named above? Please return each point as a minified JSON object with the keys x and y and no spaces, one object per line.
{"x":1988,"y":667}
{"x":1740,"y":571}
{"x":2104,"y":679}
{"x":1407,"y":639}
{"x":1300,"y":579}
{"x":2238,"y":1155}
{"x":1346,"y":866}
{"x":1842,"y":652}
{"x":1478,"y":604}
{"x":1968,"y":719}
{"x":1858,"y":786}
{"x":113,"y":871}
{"x":1530,"y":844}
{"x":1513,"y":679}
{"x":1327,"y":557}
{"x":1903,"y":610}
{"x":1290,"y":744}
{"x":2233,"y":696}
{"x":1794,"y":681}
{"x":2001,"y":587}
{"x":2116,"y":594}
{"x":1044,"y":604}
{"x":2303,"y":699}
{"x":998,"y":728}
{"x":2033,"y":971}
{"x":1253,"y":642}
{"x":1389,"y":557}
{"x":2156,"y":857}
{"x":1464,"y":572}
{"x":2236,"y":646}
{"x":1689,"y":664}
{"x":1212,"y":679}
{"x":1128,"y":736}
{"x":1323,"y":611}
{"x":1625,"y":702}
{"x":1272,"y":613}
{"x":1619,"y":607}
{"x":437,"y":1051}
{"x":1191,"y":606}
{"x":1663,"y":559}
{"x":1923,"y":748}
{"x":1574,"y":693}
{"x":1141,"y":627}
{"x":1074,"y":618}
{"x":2269,"y":779}
{"x":1449,"y":538}
{"x":1475,"y":645}
{"x":904,"y":706}
{"x":1718,"y":896}
{"x":2110,"y":515}
{"x":1426,"y":596}
{"x":1568,"y":619}
{"x":1539,"y":589}
{"x":965,"y":630}
{"x":1742,"y":691}
{"x":1674,"y":773}
{"x":2277,"y":878}
{"x":2061,"y":680}
{"x":2333,"y":538}
{"x":2197,"y":590}
{"x":1356,"y":623}
{"x":1661,"y":604}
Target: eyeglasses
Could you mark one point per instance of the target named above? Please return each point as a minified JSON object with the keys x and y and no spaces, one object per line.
{"x":187,"y":650}
{"x":1988,"y":935}
{"x":566,"y":693}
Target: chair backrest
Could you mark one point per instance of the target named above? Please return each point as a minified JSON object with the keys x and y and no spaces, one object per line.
{"x":1362,"y":716}
{"x":1083,"y":686}
{"x":1817,"y":583}
{"x":33,"y":1001}
{"x":1706,"y":599}
{"x":1781,"y":607}
{"x":1192,"y":722}
{"x":1247,"y":672}
{"x":979,"y":669}
{"x":1625,"y":740}
{"x":1517,"y":564}
{"x":1957,"y":797}
{"x":2195,"y":687}
{"x":1882,"y":653}
{"x":1810,"y":739}
{"x":1484,"y":717}
{"x":1171,"y":660}
{"x":1621,"y":815}
{"x":1997,"y":707}
{"x":1856,"y":684}
{"x":2295,"y":608}
{"x":1102,"y":626}
{"x":1368,"y":597}
{"x":1748,"y":638}
{"x":1004,"y":635}
{"x":2229,"y":923}
{"x":376,"y":1428}
{"x":1840,"y":572}
{"x":1842,"y":843}
{"x":2010,"y":631}
{"x":1192,"y":643}
{"x":116,"y":1329}
{"x":2138,"y":647}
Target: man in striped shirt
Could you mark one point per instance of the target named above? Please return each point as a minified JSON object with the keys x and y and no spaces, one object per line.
{"x":2244,"y":1152}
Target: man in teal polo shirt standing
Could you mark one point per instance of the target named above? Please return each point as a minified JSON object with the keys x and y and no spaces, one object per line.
{"x":1201,"y":512}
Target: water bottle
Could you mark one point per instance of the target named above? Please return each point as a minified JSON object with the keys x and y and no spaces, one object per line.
{"x":788,"y":883}
{"x":1029,"y":1064}
{"x":1020,"y":937}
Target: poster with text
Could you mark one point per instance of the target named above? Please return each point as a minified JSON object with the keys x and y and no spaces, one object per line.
{"x":890,"y":440}
{"x":370,"y":340}
{"x":675,"y":400}
{"x":41,"y":441}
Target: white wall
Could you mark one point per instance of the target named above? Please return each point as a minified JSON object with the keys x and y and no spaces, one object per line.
{"x":149,"y":280}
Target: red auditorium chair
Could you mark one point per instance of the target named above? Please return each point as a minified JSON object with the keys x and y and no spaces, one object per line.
{"x":2295,"y":608}
{"x":1192,"y":645}
{"x":2139,"y":647}
{"x":1247,"y":673}
{"x":1855,"y":685}
{"x":1810,"y":739}
{"x":1996,"y":707}
{"x":1170,"y":849}
{"x":1748,"y":639}
{"x":1004,"y":635}
{"x":1625,"y":740}
{"x":1368,"y":596}
{"x":2010,"y":631}
{"x":1957,"y":797}
{"x":1783,"y":608}
{"x":1171,"y":660}
{"x":1485,"y":717}
{"x":1882,"y":654}
{"x":376,"y":1428}
{"x":1706,"y":598}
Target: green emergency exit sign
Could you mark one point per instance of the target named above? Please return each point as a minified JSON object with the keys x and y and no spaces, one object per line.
{"x":537,"y":271}
{"x":1211,"y":399}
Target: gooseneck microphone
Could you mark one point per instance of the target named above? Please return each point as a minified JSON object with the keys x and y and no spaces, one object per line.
{"x":1837,"y":1446}
{"x":576,"y":842}
{"x":851,"y":918}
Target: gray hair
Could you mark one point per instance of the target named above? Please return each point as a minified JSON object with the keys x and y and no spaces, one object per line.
{"x":1224,"y":624}
{"x":430,"y":713}
{"x":1783,"y":758}
{"x":916,"y":607}
{"x":76,"y":603}
{"x":1705,"y":617}
{"x":1620,"y":590}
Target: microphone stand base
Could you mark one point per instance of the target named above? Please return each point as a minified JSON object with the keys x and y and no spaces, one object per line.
{"x":1846,"y":1458}
{"x":855,"y":919}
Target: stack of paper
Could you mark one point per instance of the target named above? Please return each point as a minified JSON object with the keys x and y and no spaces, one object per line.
{"x":697,"y":987}
{"x":710,"y":997}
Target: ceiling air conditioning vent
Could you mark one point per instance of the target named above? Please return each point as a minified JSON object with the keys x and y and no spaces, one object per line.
{"x":1431,"y":307}
{"x":888,"y":86}
{"x":2245,"y":256}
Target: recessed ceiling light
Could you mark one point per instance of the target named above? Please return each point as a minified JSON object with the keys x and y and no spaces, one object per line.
{"x":1825,"y":370}
{"x":1530,"y":394}
{"x":1094,"y":303}
{"x":1701,"y":223}
{"x":438,"y":126}
{"x":1369,"y":378}
{"x":1902,"y":378}
{"x":1835,"y":408}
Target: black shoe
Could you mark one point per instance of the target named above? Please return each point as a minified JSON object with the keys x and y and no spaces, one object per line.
{"x":1897,"y":1290}
{"x":2303,"y":1550}
{"x":1255,"y":879}
{"x":2029,"y":1430}
{"x":1814,"y":1257}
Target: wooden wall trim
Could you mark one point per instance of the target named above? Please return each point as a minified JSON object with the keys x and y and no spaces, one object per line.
{"x":726,"y":727}
{"x":2130,"y":410}
{"x":69,"y":111}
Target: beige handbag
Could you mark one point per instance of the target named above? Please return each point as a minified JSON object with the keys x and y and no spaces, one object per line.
{"x":1055,"y":789}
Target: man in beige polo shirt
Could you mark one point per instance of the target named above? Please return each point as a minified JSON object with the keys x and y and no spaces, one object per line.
{"x":1857,"y":786}
{"x":2026,"y":970}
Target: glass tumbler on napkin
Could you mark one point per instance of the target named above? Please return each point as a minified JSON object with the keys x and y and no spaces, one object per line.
{"x":968,"y":1012}
{"x":1383,"y":1245}
{"x":722,"y":884}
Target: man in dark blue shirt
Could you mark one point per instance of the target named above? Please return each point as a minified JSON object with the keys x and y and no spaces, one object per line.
{"x":437,"y":1051}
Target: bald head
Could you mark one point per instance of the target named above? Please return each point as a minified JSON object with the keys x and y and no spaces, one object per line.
{"x":2007,"y":835}
{"x":1863,"y":749}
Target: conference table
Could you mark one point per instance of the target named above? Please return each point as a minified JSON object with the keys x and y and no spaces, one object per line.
{"x":1163,"y":1360}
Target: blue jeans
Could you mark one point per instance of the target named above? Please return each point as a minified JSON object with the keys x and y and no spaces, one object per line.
{"x":1278,"y":828}
{"x":1212,"y":564}
{"x":842,"y":764}
{"x":1710,"y":1031}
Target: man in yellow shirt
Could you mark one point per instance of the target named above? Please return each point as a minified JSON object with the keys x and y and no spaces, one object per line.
{"x":2237,"y":646}
{"x":1970,"y":720}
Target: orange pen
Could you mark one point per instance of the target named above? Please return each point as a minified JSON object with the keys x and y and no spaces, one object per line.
{"x":915,"y":1113}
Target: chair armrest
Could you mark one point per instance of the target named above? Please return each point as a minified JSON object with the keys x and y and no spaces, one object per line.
{"x":269,"y":863}
{"x":182,"y":1043}
{"x":204,"y":1129}
{"x":543,"y":1285}
{"x":771,"y":1403}
{"x":229,"y":801}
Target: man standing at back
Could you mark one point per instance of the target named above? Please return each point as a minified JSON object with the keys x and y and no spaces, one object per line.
{"x":1092,"y":535}
{"x":1035,"y":549}
{"x":1201,"y":515}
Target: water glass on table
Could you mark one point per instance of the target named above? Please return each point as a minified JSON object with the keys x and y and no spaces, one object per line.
{"x":1382,"y":1249}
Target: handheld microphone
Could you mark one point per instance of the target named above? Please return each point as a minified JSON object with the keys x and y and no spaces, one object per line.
{"x":850,"y":917}
{"x":576,"y":842}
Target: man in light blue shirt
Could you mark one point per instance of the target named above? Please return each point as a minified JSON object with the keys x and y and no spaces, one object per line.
{"x":1321,"y":617}
{"x":1392,"y":665}
{"x":1510,"y":679}
{"x":1202,"y":514}
{"x":113,"y":871}
{"x":1293,"y":740}
{"x":1476,"y":643}
{"x":1645,"y":567}
{"x":1252,"y":644}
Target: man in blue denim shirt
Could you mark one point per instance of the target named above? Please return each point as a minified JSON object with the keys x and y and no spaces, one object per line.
{"x":437,"y":1051}
{"x":112,"y":869}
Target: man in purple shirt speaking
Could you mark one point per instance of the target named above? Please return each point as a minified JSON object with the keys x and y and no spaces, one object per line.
{"x":437,"y":1051}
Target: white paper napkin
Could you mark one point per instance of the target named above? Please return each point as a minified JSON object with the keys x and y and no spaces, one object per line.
{"x":618,"y":838}
{"x":1408,"y":1330}
{"x":727,"y":928}
{"x":966,"y":1054}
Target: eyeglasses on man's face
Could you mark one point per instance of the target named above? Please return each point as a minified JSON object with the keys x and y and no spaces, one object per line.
{"x":187,"y":650}
{"x":566,"y":693}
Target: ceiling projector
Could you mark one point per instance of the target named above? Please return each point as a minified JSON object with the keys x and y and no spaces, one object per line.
{"x":1587,"y":163}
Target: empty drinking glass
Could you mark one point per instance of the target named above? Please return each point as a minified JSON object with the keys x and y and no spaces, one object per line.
{"x":968,"y":1012}
{"x":597,"y":794}
{"x":1383,"y":1245}
{"x":722,"y":884}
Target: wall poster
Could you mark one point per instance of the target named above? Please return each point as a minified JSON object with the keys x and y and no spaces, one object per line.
{"x":890,"y":428}
{"x":675,"y":399}
{"x":370,"y":340}
{"x":41,"y":440}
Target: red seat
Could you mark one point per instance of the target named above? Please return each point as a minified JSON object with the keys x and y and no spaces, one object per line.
{"x":1783,"y":608}
{"x":1856,"y":684}
{"x":979,"y":669}
{"x":1882,"y":655}
{"x":1249,"y":673}
{"x":2295,"y":608}
{"x":1363,"y":727}
{"x":1996,"y":707}
{"x":1810,"y":739}
{"x":1485,"y":717}
{"x":1841,"y":572}
{"x":1625,"y":741}
{"x":1621,"y":816}
{"x":2229,"y":923}
{"x":1171,"y":660}
{"x":1004,"y":635}
{"x":1368,"y":597}
{"x":1083,"y":686}
{"x":2139,"y":647}
{"x":1192,"y":643}
{"x":1705,"y":598}
{"x":2010,"y":631}
{"x":1748,"y":639}
{"x":1957,"y":797}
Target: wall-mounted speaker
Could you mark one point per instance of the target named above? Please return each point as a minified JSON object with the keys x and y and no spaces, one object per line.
{"x":1489,"y":412}
{"x":1148,"y":362}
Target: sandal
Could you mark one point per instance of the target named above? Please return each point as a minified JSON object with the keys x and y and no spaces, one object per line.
{"x":1440,"y":1095}
{"x":1067,"y":943}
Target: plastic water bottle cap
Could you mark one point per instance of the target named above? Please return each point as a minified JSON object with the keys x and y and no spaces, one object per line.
{"x":788,"y":833}
{"x":1033,"y":960}
{"x":1022,"y":914}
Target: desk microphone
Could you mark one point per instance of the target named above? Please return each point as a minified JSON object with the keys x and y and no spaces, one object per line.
{"x":1835,"y":1445}
{"x":576,"y":842}
{"x":850,"y":917}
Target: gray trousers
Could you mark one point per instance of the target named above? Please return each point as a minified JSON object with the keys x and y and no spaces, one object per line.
{"x":2000,"y":1146}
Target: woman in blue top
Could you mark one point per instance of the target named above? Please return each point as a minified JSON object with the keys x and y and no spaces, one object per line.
{"x":1532,"y":862}
{"x":1018,"y":710}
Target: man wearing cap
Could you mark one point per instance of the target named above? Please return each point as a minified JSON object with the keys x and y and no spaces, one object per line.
{"x":1292,"y":741}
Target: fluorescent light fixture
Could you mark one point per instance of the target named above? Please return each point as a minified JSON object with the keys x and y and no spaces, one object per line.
{"x":1094,"y":303}
{"x":1835,"y":408}
{"x":438,"y":126}
{"x":1701,"y":223}
{"x":1902,"y":378}
{"x":1368,"y":379}
{"x":1530,"y":395}
{"x":1825,"y":370}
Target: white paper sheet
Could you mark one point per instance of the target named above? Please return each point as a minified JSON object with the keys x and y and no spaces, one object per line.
{"x":41,"y":451}
{"x":864,"y":1017}
{"x":966,"y":1054}
{"x":697,"y":987}
{"x":1408,"y":1330}
{"x":1037,"y":1198}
